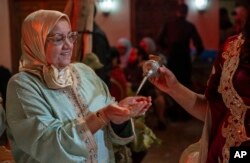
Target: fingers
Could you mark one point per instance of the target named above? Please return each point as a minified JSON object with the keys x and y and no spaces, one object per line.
{"x":140,"y":107}
{"x":164,"y":77}
{"x":130,"y":107}
{"x":114,"y":109}
{"x":141,"y":98}
{"x":164,"y":71}
{"x":117,"y":114}
{"x":133,"y":100}
{"x":143,"y":110}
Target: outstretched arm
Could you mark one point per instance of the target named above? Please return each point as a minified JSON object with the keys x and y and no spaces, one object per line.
{"x":195,"y":104}
{"x":192,"y":102}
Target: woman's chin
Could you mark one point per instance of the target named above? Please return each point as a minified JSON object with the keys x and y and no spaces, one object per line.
{"x":62,"y":65}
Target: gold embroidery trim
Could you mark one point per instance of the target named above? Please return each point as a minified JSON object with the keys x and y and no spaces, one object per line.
{"x":82,"y":111}
{"x":233,"y":131}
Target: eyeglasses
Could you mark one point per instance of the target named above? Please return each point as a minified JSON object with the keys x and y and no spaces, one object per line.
{"x":59,"y":38}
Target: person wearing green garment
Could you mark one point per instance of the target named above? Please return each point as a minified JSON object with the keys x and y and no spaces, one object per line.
{"x":59,"y":111}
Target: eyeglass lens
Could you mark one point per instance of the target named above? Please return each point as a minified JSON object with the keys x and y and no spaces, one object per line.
{"x":59,"y":38}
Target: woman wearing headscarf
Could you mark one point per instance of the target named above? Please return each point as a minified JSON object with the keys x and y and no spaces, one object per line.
{"x":124,"y":47}
{"x":58,"y":111}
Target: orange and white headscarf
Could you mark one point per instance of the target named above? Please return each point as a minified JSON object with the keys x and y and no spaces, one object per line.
{"x":35,"y":30}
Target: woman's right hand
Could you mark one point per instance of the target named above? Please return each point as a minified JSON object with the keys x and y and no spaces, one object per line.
{"x":165,"y":80}
{"x":127,"y":108}
{"x":116,"y":114}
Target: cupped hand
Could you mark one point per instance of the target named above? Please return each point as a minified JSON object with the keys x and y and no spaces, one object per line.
{"x":137,"y":105}
{"x":116,"y":114}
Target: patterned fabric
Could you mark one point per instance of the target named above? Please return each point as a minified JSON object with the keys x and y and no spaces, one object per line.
{"x":228,"y":107}
{"x":48,"y":125}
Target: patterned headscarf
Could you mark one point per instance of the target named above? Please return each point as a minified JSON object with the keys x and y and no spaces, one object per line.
{"x":35,"y":30}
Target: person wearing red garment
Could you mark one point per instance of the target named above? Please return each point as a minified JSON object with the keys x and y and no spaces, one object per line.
{"x":118,"y":79}
{"x":225,"y":106}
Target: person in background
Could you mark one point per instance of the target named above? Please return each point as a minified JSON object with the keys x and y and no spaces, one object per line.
{"x":102,"y":49}
{"x":148,"y":44}
{"x":226,"y":27}
{"x":239,"y":15}
{"x":225,"y":106}
{"x":92,"y":46}
{"x":124,"y":47}
{"x":119,"y":85}
{"x":119,"y":90}
{"x":58,"y":111}
{"x":133,"y":70}
{"x":145,"y":137}
{"x":159,"y":98}
{"x":174,"y":41}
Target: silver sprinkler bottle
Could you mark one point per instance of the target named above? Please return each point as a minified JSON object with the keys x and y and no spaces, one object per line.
{"x":149,"y":68}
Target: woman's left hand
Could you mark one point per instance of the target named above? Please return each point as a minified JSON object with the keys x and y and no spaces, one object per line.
{"x":137,"y":105}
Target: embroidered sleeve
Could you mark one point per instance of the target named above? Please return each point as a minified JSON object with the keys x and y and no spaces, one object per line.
{"x":125,"y":136}
{"x":107,"y":99}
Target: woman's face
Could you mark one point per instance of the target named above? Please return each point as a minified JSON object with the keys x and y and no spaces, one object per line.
{"x":59,"y":45}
